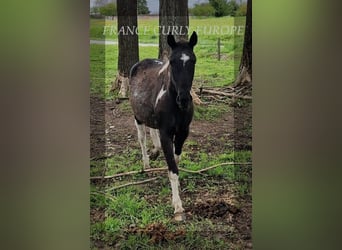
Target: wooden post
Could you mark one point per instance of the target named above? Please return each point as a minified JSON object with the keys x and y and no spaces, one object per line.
{"x":219,"y":49}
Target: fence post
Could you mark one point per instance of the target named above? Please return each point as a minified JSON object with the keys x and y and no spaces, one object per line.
{"x":219,"y":49}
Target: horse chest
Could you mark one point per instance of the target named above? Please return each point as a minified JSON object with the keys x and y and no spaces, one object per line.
{"x":172,"y":117}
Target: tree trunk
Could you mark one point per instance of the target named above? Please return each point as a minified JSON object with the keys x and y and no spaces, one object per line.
{"x":173,"y":18}
{"x":245,"y":75}
{"x":242,"y":136}
{"x":128,"y":42}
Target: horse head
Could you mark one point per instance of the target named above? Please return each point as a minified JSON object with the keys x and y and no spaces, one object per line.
{"x":182,"y":62}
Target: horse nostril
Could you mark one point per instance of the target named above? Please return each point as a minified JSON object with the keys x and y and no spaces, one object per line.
{"x":178,"y":99}
{"x":182,"y":100}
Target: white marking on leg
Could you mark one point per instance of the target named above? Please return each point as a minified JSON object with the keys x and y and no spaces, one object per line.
{"x":177,"y":157}
{"x":160,"y":94}
{"x":176,"y":201}
{"x":166,"y":64}
{"x":155,"y":139}
{"x":142,"y":140}
{"x":184,"y":58}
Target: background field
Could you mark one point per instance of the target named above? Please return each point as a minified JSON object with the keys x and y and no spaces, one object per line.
{"x":217,"y":202}
{"x":209,"y":71}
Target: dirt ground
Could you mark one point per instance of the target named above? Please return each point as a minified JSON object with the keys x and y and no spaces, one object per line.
{"x":113,"y":129}
{"x":231,"y":131}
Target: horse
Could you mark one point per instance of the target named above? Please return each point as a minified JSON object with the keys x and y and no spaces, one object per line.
{"x":160,"y":99}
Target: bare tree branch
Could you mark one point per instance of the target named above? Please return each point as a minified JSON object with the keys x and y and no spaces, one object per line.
{"x":215,"y":92}
{"x":132,"y":183}
{"x":127,"y":173}
{"x":164,"y":169}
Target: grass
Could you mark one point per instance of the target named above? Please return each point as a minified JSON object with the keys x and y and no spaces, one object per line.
{"x":140,"y":206}
{"x":210,"y":112}
{"x":209,"y":71}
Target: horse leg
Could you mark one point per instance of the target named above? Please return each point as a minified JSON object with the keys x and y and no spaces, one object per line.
{"x":166,"y":143}
{"x":156,"y":143}
{"x":142,"y":140}
{"x":180,"y":138}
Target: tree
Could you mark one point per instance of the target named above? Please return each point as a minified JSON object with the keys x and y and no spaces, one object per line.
{"x":108,"y":9}
{"x":220,"y":6}
{"x":94,"y":10}
{"x":232,"y":7}
{"x":203,"y":9}
{"x":245,"y":74}
{"x":243,"y":87}
{"x":142,"y":7}
{"x":128,"y":42}
{"x":242,"y":10}
{"x":174,"y":18}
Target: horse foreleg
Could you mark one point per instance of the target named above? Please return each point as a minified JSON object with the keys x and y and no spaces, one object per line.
{"x":176,"y":201}
{"x":179,"y":141}
{"x":166,"y":143}
{"x":142,"y":140}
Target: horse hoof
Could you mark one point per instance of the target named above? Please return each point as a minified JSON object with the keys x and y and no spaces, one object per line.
{"x":179,"y":217}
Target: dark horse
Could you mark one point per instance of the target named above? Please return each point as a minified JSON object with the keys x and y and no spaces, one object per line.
{"x":161,"y":100}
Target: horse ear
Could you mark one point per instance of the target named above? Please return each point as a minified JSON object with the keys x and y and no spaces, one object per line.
{"x":171,"y":41}
{"x":193,"y":39}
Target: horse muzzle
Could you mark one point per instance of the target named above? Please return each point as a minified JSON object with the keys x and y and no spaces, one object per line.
{"x":183,"y":100}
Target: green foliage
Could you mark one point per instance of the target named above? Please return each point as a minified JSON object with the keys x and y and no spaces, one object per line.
{"x":203,"y":9}
{"x":94,"y":10}
{"x":142,"y":7}
{"x":242,"y":10}
{"x":220,"y":6}
{"x":108,"y":9}
{"x":232,"y":7}
{"x":224,"y":8}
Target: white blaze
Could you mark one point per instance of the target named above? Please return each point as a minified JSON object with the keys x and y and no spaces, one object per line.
{"x":184,"y":58}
